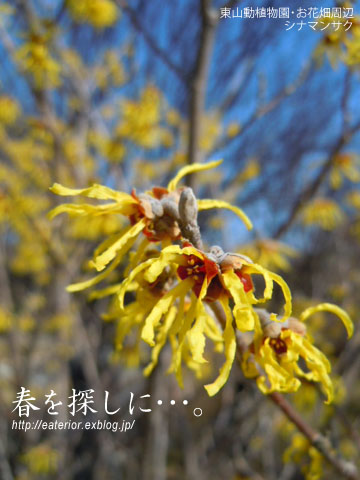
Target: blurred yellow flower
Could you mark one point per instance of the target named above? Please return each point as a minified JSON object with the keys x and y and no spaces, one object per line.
{"x":353,"y":199}
{"x":99,"y":13}
{"x":140,"y":121}
{"x":211,"y":131}
{"x":9,"y":110}
{"x":345,"y":165}
{"x":298,"y":451}
{"x":173,"y":118}
{"x":233,"y":129}
{"x":251,"y":170}
{"x":35,"y":59}
{"x":324,"y":213}
{"x":352,"y":43}
{"x":5,"y":320}
{"x":41,"y":460}
{"x":270,"y":253}
{"x":110,"y":72}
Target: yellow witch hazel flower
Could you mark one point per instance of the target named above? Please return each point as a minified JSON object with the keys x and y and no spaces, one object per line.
{"x":202,"y":278}
{"x":153,"y":214}
{"x":273,"y":356}
{"x":187,"y":296}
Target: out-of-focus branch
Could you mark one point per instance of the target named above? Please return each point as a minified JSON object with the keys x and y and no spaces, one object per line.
{"x":157,"y":434}
{"x":343,"y":467}
{"x":5,"y":470}
{"x":313,"y":187}
{"x":231,"y":4}
{"x":151,"y":41}
{"x":263,"y":110}
{"x":309,"y":192}
{"x":198,"y":81}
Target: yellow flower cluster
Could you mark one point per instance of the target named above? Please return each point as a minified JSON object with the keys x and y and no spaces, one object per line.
{"x":187,"y":297}
{"x":9,"y":110}
{"x":324,"y":213}
{"x":141,"y":121}
{"x":345,"y":166}
{"x":35,"y":59}
{"x":297,"y":452}
{"x":41,"y":460}
{"x":270,"y":253}
{"x":99,"y":13}
{"x":275,"y":354}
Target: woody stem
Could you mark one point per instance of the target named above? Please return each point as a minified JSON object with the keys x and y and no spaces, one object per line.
{"x":345,"y":468}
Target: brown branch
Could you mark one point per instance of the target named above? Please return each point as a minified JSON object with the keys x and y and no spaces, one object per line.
{"x":5,"y":469}
{"x":263,"y":110}
{"x":151,"y":42}
{"x":198,"y":83}
{"x":343,"y":467}
{"x":309,"y":192}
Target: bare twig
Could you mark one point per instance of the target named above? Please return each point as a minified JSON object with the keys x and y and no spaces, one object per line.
{"x":151,"y":41}
{"x":198,"y":82}
{"x":263,"y":110}
{"x":309,"y":192}
{"x":343,"y":467}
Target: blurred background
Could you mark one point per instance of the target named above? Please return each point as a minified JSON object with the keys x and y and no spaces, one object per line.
{"x":125,"y":93}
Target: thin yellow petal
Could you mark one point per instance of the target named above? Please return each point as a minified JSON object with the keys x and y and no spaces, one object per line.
{"x":196,"y":336}
{"x":138,"y":257}
{"x":160,"y":340}
{"x":329,"y":307}
{"x":287,"y":296}
{"x":270,"y":277}
{"x":123,"y":208}
{"x":277,"y":378}
{"x":162,"y":306}
{"x":206,"y":204}
{"x":185,"y":327}
{"x":317,"y":363}
{"x":160,"y":264}
{"x":269,"y":284}
{"x":195,"y":167}
{"x":95,"y":191}
{"x":243,"y":314}
{"x":126,"y":239}
{"x":128,"y":280}
{"x":230,"y":350}
{"x":76,"y":287}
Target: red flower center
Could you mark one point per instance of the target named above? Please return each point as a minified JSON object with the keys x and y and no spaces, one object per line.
{"x":246,"y":280}
{"x":278,"y":345}
{"x":200,"y":269}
